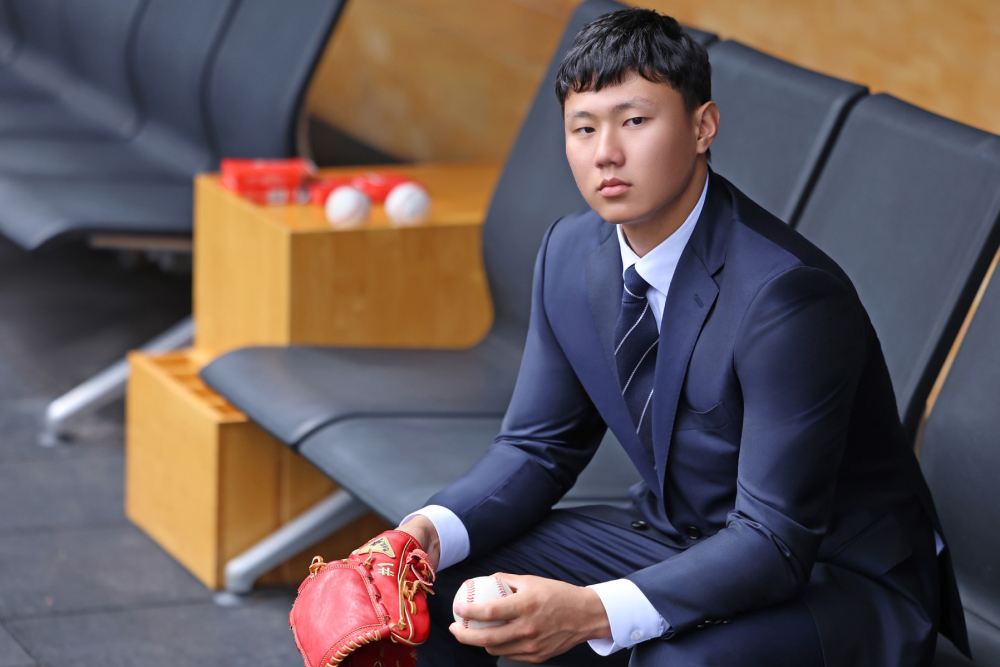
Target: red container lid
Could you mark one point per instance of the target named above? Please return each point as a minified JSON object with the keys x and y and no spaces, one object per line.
{"x":239,"y":174}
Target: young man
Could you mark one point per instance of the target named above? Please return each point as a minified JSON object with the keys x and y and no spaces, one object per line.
{"x":782,"y":518}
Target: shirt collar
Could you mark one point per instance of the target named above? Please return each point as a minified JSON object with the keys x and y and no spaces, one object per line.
{"x":658,"y":265}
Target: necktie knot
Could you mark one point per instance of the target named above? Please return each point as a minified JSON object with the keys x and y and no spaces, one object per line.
{"x":635,"y":286}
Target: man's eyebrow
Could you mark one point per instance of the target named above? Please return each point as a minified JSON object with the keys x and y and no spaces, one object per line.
{"x":631,"y":104}
{"x":618,"y":108}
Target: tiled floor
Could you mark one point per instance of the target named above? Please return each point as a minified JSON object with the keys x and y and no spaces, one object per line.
{"x":79,"y":585}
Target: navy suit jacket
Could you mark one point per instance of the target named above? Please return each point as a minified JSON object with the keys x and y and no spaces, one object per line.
{"x":776,"y":440}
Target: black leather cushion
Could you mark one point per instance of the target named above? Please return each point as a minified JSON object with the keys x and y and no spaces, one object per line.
{"x":37,"y":210}
{"x":778,"y":123}
{"x":907,"y":204}
{"x":960,"y":456}
{"x":416,"y":458}
{"x":293,"y":391}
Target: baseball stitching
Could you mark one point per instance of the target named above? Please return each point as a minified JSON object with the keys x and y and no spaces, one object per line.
{"x":470,"y":596}
{"x":503,"y":591}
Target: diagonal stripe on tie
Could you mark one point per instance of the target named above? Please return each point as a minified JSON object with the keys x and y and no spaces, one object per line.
{"x":642,"y":315}
{"x":637,"y":365}
{"x":636,"y":339}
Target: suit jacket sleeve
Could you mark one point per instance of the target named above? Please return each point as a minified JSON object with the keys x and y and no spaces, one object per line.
{"x":549,"y":434}
{"x":799,"y":353}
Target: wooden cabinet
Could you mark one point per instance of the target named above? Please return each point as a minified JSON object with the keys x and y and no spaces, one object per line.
{"x":282,"y":275}
{"x":206,"y":483}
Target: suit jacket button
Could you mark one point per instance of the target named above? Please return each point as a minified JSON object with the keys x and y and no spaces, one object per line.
{"x":692,"y":532}
{"x":639,"y":524}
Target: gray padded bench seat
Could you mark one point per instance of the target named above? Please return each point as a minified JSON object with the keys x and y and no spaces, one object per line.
{"x":421,"y":456}
{"x":108,"y":108}
{"x":960,"y":457}
{"x":298,"y":390}
{"x":778,"y":122}
{"x":908,"y":204}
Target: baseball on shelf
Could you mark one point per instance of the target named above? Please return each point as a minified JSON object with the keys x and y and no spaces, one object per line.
{"x":480,"y":589}
{"x":347,"y":206}
{"x":408,"y":204}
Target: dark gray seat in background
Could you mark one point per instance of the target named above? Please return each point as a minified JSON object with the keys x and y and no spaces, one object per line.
{"x":908,"y":204}
{"x":108,"y":108}
{"x":778,"y":124}
{"x":960,"y":456}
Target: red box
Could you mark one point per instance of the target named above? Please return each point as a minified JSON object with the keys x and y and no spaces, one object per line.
{"x":245,"y":176}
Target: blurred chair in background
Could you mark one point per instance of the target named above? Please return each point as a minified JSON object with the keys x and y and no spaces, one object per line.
{"x":110,"y":108}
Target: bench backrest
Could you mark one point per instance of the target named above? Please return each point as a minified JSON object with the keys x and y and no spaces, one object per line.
{"x":80,"y":51}
{"x":960,"y":456}
{"x":254,"y":94}
{"x":190,"y":80}
{"x":778,"y":124}
{"x":907,"y":204}
{"x":177,"y":40}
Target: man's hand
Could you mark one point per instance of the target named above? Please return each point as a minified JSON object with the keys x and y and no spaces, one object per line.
{"x":544,"y":618}
{"x":423,"y":530}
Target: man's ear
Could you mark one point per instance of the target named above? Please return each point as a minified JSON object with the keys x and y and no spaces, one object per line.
{"x":706,"y":123}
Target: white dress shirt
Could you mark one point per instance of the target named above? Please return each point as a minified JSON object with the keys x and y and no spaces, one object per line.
{"x":632,"y":617}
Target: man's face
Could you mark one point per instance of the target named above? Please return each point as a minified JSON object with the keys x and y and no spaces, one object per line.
{"x":632,"y":147}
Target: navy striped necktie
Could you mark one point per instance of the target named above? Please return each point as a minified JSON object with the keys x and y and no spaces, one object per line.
{"x":636,"y":338}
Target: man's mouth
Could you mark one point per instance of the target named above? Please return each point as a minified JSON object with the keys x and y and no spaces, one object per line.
{"x":612,"y":187}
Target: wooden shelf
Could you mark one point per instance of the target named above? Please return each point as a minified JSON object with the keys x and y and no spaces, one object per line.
{"x":206,"y":483}
{"x":281,"y":275}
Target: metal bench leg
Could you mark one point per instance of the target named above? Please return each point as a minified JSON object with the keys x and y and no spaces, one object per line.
{"x":321,"y":520}
{"x":103,"y":388}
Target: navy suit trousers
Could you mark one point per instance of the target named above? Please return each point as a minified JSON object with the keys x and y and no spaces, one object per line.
{"x":595,"y":544}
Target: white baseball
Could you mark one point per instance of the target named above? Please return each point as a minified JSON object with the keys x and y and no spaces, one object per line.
{"x":480,"y":589}
{"x":408,"y":204}
{"x":347,"y":207}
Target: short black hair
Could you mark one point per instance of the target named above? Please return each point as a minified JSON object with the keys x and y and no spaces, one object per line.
{"x":636,"y":41}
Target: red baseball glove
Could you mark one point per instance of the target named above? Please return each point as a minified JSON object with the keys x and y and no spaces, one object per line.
{"x":366,"y":610}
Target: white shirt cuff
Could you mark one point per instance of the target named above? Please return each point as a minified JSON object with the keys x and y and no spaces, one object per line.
{"x":632,"y":616}
{"x":452,"y":534}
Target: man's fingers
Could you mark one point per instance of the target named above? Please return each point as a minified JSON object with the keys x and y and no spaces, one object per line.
{"x":488,"y":638}
{"x":515,"y":581}
{"x":502,"y":609}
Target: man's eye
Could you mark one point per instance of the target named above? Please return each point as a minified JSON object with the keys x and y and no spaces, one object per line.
{"x":635,"y":121}
{"x":585,"y":130}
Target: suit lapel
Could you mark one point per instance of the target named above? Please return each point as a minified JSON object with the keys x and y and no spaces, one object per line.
{"x":604,"y":293}
{"x":692,"y":293}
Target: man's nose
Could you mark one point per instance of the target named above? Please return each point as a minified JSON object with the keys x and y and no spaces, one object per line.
{"x":609,"y":151}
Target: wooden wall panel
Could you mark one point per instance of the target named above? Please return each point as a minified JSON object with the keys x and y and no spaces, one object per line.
{"x":942,"y":55}
{"x":452,"y":79}
{"x":436,"y":79}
